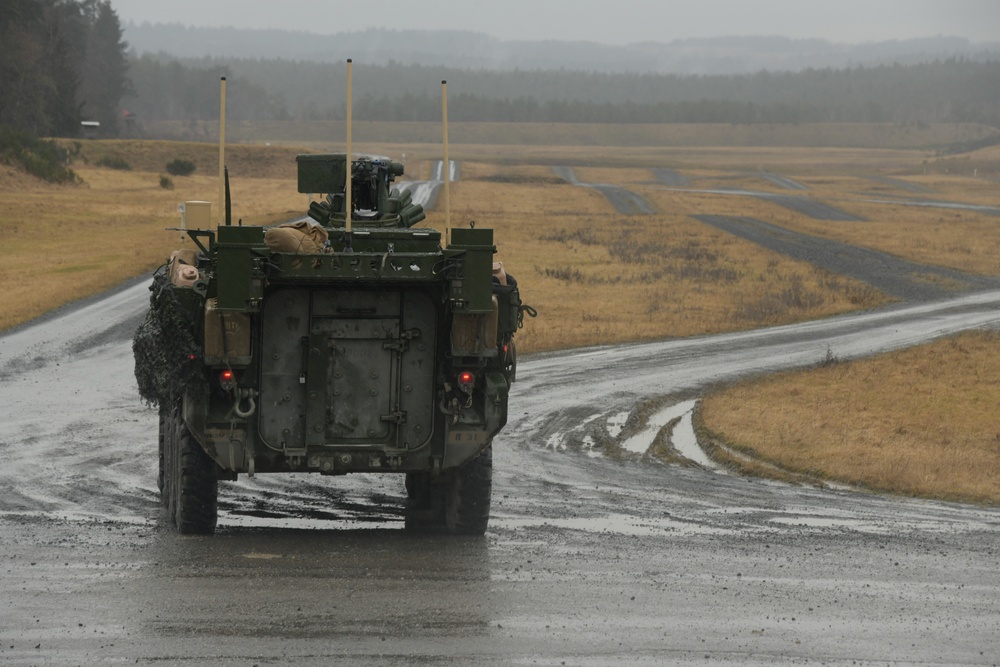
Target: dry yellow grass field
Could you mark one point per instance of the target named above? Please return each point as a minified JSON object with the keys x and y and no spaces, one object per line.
{"x":917,"y":422}
{"x":597,"y":276}
{"x":61,"y":243}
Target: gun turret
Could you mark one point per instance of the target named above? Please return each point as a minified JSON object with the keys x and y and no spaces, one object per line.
{"x":374,"y":201}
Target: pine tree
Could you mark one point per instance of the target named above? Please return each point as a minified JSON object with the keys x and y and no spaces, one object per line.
{"x":104,"y":67}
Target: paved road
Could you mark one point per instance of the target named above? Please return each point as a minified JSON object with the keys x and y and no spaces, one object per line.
{"x":897,"y":277}
{"x":426,"y":192}
{"x":587,"y":561}
{"x":625,"y":201}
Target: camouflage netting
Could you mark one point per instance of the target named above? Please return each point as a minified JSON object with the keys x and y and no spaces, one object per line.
{"x":167,"y":353}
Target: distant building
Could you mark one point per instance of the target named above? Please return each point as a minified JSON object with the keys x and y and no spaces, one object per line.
{"x":91,"y":129}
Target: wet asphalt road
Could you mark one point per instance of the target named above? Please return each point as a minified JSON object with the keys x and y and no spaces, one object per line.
{"x":587,"y":561}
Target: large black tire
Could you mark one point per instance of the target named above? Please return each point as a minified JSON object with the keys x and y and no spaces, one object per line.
{"x":165,"y":420}
{"x":195,"y":485}
{"x":467,"y":494}
{"x":168,"y":454}
{"x":424,"y":503}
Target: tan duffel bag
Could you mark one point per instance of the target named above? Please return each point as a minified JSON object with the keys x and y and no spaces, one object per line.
{"x":303,"y":236}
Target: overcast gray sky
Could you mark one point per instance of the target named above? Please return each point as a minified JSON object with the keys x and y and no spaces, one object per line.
{"x":604,"y":21}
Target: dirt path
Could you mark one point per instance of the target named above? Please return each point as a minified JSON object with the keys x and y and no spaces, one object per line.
{"x":426,"y":192}
{"x":625,"y":201}
{"x":900,"y":278}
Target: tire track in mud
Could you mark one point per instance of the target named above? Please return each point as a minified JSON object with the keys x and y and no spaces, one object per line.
{"x":897,"y":277}
{"x":900,"y":184}
{"x":621,"y":381}
{"x":625,"y":201}
{"x":924,"y":203}
{"x":781,"y":181}
{"x":810,"y":208}
{"x":670,"y":177}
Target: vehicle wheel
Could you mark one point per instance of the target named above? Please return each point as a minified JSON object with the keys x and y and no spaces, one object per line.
{"x":168,"y":455}
{"x":195,"y":484}
{"x":164,"y":435}
{"x":467,"y":495}
{"x":424,"y":502}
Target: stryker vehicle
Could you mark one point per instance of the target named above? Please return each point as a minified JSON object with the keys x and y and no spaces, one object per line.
{"x":333,"y":345}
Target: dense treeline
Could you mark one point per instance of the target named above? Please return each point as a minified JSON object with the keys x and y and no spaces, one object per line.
{"x":952,"y":90}
{"x":164,"y":89}
{"x":61,"y":62}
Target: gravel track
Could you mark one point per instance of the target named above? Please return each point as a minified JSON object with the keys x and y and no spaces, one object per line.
{"x":811,"y":208}
{"x":782,"y":181}
{"x":426,"y":193}
{"x":624,"y":201}
{"x":899,"y":184}
{"x":895,"y":276}
{"x":670,"y":177}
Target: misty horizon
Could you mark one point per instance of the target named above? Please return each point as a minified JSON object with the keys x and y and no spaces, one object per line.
{"x":470,"y":50}
{"x":619,"y":23}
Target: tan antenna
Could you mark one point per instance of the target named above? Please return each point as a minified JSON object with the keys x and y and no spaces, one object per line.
{"x":347,"y":186}
{"x":222,"y":153}
{"x":447,"y":164}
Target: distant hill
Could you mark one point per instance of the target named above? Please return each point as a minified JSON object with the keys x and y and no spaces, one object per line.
{"x":472,"y":50}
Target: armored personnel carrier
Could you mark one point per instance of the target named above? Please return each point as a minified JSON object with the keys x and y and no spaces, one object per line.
{"x":345,"y":342}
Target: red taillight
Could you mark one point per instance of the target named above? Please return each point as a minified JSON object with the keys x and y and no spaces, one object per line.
{"x":227,"y":380}
{"x":466,"y":379}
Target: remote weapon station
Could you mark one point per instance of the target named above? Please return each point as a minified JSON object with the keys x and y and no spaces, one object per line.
{"x":345,"y":342}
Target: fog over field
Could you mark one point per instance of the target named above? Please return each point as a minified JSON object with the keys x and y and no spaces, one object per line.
{"x":618,"y":23}
{"x":717,"y":37}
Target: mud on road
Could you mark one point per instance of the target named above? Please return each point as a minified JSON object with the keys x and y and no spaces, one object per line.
{"x":587,"y":560}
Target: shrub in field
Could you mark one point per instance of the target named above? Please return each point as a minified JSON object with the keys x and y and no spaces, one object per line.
{"x":180,"y":167}
{"x":166,"y":183}
{"x":565,"y":273}
{"x":114,"y":163}
{"x":38,"y":157}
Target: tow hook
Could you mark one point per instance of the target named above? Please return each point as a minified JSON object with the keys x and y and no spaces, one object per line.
{"x":247,"y":395}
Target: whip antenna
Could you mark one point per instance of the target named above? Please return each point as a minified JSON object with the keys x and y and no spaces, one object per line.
{"x":222,"y":154}
{"x":348,"y":205}
{"x":447,"y":163}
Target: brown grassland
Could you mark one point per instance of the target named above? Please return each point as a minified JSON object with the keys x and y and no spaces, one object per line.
{"x":599,"y":277}
{"x":61,"y":243}
{"x":919,"y":421}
